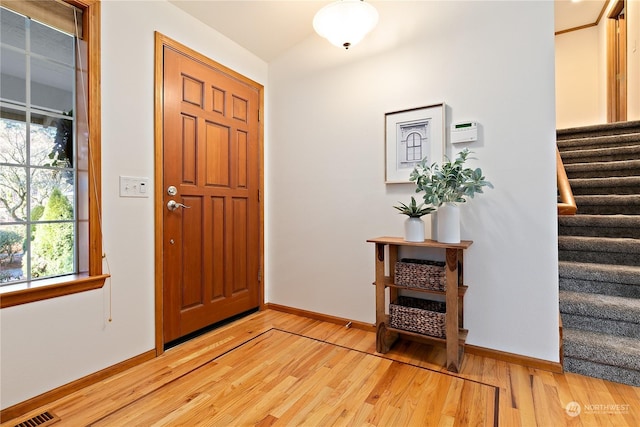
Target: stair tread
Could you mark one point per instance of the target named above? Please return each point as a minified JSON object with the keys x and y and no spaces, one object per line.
{"x":601,"y":220}
{"x":599,"y":267}
{"x":602,"y":348}
{"x":612,"y":225}
{"x":620,"y":126}
{"x":626,"y":274}
{"x":602,"y":141}
{"x":599,"y":244}
{"x":600,"y":306}
{"x":627,"y":199}
{"x":600,"y":151}
{"x":605,"y":181}
{"x":614,"y":164}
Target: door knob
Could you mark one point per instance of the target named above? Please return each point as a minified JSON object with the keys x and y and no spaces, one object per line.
{"x":172,"y":205}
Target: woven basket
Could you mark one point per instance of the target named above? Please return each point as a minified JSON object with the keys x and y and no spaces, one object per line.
{"x":418,"y":273}
{"x":418,"y":315}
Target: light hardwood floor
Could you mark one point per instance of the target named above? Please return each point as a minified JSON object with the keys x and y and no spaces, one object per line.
{"x":274,"y":368}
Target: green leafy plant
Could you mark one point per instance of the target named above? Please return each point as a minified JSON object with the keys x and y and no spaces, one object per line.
{"x":449,"y":182}
{"x":414,"y":210}
{"x":10,"y":243}
{"x":53,"y":244}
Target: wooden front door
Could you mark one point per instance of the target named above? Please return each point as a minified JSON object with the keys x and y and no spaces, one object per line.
{"x":211,"y":162}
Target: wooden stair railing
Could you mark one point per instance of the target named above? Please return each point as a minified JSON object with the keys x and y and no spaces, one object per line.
{"x":567,"y":204}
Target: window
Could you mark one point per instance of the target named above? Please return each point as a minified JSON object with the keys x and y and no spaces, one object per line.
{"x":414,"y":147}
{"x":38,"y":204}
{"x":50,"y":241}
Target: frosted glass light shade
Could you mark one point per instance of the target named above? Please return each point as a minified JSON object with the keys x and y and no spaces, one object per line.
{"x":345,"y":22}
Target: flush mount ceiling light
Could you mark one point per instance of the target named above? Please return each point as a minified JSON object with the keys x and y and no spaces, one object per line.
{"x":345,"y":22}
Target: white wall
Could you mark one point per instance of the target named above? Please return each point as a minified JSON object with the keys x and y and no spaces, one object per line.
{"x":489,"y":61}
{"x":50,"y":343}
{"x":580,"y":93}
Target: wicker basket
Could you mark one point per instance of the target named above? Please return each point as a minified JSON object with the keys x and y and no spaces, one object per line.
{"x":423,"y":274}
{"x":418,"y":315}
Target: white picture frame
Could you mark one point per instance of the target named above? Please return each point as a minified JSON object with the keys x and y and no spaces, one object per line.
{"x":411,"y":135}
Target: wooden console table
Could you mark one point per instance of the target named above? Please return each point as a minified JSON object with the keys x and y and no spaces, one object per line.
{"x":453,"y":293}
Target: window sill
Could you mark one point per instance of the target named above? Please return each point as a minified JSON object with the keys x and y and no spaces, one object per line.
{"x":23,"y":293}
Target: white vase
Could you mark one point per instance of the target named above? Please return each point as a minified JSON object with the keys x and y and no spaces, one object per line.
{"x":434,"y":225}
{"x":449,"y":223}
{"x":414,"y":230}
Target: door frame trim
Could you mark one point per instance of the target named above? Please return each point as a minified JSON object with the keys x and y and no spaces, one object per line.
{"x":616,"y":55}
{"x":160,"y":42}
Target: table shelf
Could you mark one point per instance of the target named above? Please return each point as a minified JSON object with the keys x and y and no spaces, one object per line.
{"x":456,"y":335}
{"x":388,"y":282}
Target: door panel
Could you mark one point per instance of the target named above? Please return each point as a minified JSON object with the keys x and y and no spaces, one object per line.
{"x":239,"y":263}
{"x":217,"y":155}
{"x":192,"y":244}
{"x":189,"y":168}
{"x":211,"y":242}
{"x":217,"y":273}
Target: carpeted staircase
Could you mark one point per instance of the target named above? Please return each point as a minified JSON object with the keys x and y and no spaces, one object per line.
{"x":599,"y":251}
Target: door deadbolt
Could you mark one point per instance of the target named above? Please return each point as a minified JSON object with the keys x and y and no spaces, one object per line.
{"x":172,"y":191}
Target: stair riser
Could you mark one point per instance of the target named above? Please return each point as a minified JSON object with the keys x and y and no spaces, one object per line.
{"x":608,"y":210}
{"x":568,"y":160}
{"x":604,"y":173}
{"x":612,"y":142}
{"x":600,"y":159}
{"x":628,"y":232}
{"x":621,"y":329}
{"x":602,"y":288}
{"x":601,"y":307}
{"x":608,"y":258}
{"x":596,"y":191}
{"x":598,"y":352}
{"x":597,"y":370}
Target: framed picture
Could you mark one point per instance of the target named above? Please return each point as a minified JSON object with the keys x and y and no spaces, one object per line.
{"x":411,"y":135}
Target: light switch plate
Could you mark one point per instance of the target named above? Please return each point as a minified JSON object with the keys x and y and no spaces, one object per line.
{"x":133,"y":186}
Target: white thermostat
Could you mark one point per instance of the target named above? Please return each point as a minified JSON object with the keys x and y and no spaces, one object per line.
{"x":464,"y":132}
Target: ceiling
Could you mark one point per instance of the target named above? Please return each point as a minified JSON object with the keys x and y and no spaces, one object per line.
{"x":572,"y":14}
{"x":270,"y":27}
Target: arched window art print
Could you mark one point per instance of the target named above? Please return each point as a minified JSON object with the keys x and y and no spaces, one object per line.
{"x":410,"y":136}
{"x":414,"y":141}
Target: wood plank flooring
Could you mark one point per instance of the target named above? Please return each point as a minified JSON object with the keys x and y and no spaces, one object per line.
{"x":273,"y":368}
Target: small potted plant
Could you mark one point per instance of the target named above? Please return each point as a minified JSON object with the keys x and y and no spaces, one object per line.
{"x":445,"y":185}
{"x":414,"y":226}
